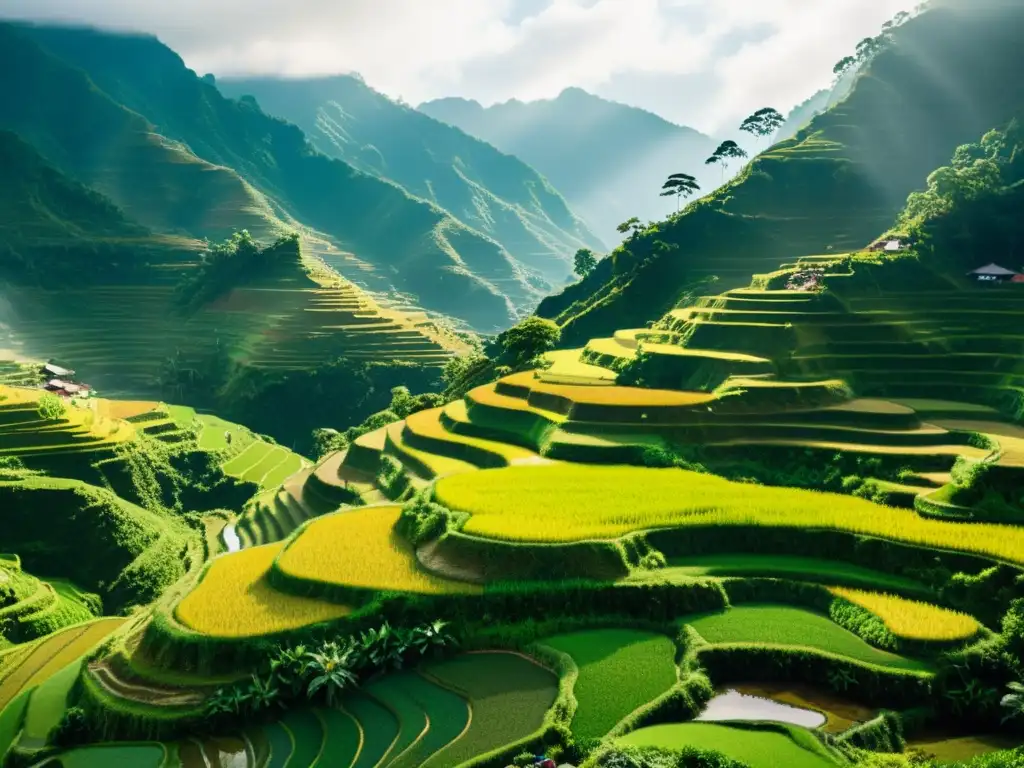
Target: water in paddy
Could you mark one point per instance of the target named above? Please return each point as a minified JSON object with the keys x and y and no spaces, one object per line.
{"x":733,"y":705}
{"x":230,"y":538}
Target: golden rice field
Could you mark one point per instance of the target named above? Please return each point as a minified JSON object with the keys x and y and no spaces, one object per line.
{"x":590,"y":395}
{"x":234,"y":599}
{"x":124,"y":409}
{"x":361,"y":549}
{"x":911,"y":619}
{"x":487,"y":395}
{"x":571,"y":502}
{"x":427,"y":424}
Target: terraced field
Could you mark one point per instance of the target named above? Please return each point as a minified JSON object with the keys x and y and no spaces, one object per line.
{"x":234,"y":599}
{"x":619,"y":671}
{"x":569,"y":502}
{"x":359,"y":550}
{"x":120,"y":336}
{"x":781,"y":625}
{"x":769,"y":746}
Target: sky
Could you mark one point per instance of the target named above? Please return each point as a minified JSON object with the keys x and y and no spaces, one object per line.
{"x":702,"y":63}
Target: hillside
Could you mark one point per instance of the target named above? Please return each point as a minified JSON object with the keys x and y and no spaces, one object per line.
{"x":490,"y":192}
{"x":51,"y":226}
{"x":836,"y":185}
{"x":131,"y":90}
{"x":609,"y":160}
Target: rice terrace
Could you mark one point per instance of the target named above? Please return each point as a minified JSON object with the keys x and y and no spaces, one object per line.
{"x":341,"y":433}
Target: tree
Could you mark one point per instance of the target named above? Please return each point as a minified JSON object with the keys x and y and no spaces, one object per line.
{"x":531,"y":337}
{"x":727,"y":150}
{"x":681,"y":185}
{"x":584,"y":262}
{"x":764,"y":122}
{"x":51,"y":407}
{"x":843,"y":66}
{"x":631,"y":225}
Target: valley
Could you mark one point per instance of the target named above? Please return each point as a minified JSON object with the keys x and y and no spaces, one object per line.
{"x":330,"y":438}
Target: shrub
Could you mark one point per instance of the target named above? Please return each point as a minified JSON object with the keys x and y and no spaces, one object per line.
{"x":422,"y":520}
{"x":73,"y":729}
{"x":52,"y":407}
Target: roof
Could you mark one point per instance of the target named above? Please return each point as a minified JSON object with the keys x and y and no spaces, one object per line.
{"x":892,"y":245}
{"x":56,"y":370}
{"x":992,"y":269}
{"x":58,"y":384}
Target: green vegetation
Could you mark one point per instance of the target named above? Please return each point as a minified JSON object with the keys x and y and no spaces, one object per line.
{"x":491,"y":193}
{"x":619,"y":671}
{"x":788,"y":626}
{"x":509,"y":696}
{"x":821,"y":189}
{"x":759,"y":746}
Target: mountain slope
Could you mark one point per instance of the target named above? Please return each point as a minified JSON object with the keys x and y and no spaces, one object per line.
{"x":491,"y":192}
{"x":608,"y":160}
{"x":416,"y":246}
{"x":837,"y":184}
{"x":54,"y":230}
{"x":88,"y":135}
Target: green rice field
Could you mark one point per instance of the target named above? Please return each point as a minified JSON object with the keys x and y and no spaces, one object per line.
{"x":619,"y":670}
{"x":787,"y":626}
{"x":768,"y":746}
{"x":509,"y":696}
{"x":780,"y":566}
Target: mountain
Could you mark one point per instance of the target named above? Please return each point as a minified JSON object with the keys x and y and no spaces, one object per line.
{"x":54,"y":229}
{"x":608,"y":159}
{"x":834,"y":186}
{"x":490,"y":192}
{"x":123,"y":114}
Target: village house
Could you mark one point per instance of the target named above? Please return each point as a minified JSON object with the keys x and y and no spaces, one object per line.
{"x":993,"y":273}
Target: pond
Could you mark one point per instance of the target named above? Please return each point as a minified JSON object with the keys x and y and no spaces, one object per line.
{"x":734,"y":705}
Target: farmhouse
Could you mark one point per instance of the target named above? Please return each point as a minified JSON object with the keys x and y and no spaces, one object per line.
{"x":57,"y":372}
{"x":993,"y":273}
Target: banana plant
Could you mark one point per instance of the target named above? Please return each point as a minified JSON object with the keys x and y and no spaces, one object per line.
{"x":430,"y":637}
{"x":331,"y":671}
{"x":262,"y":694}
{"x":289,"y":667}
{"x":1014,"y":701}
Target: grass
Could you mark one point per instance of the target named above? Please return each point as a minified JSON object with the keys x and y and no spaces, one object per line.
{"x":342,"y":739}
{"x":773,"y":746}
{"x":431,"y":464}
{"x":234,"y":599}
{"x":115,"y":756}
{"x":566,"y":364}
{"x":566,"y":502}
{"x":508,"y":696}
{"x":788,"y":626}
{"x":619,"y":671}
{"x":780,"y":566}
{"x":913,"y":620}
{"x":361,"y":549}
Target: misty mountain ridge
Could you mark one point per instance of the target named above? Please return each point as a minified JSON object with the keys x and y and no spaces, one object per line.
{"x":608,"y":159}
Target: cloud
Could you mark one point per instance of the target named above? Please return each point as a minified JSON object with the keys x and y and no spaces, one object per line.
{"x":698,"y":62}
